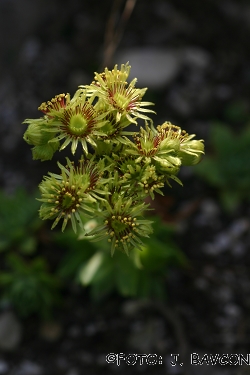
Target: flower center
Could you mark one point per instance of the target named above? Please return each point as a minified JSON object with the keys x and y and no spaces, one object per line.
{"x":118,"y":226}
{"x":68,"y":201}
{"x":147,"y":145}
{"x":85,"y":181}
{"x":77,"y":124}
{"x":120,"y":100}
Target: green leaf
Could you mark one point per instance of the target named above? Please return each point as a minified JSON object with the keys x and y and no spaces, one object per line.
{"x":151,"y":286}
{"x":210,"y":172}
{"x":76,"y":253}
{"x":18,"y":220}
{"x":29,"y":287}
{"x":230,"y":199}
{"x":221,"y":137}
{"x":90,"y":268}
{"x":127,"y":276}
{"x":28,"y":245}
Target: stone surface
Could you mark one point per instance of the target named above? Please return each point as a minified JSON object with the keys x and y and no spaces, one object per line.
{"x":4,"y":367}
{"x":154,"y":68}
{"x":28,"y":368}
{"x":10,"y":331}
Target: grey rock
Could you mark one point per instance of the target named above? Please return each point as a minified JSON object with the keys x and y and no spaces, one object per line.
{"x":62,"y":363}
{"x":179,"y":100}
{"x":86,"y":357}
{"x":232,"y":311}
{"x":153,"y":67}
{"x":4,"y":367}
{"x":28,"y":368}
{"x":221,"y":243}
{"x":239,"y":227}
{"x":228,"y":239}
{"x":209,"y":212}
{"x":196,"y":57}
{"x":51,"y":331}
{"x":239,"y":249}
{"x":147,"y":336}
{"x":10,"y":331}
{"x":30,"y":50}
{"x":73,"y":371}
{"x":224,"y":294}
{"x":201,"y":283}
{"x":210,"y":208}
{"x":74,"y":331}
{"x":131,"y":307}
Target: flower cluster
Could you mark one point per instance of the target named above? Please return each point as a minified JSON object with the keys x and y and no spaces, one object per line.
{"x":118,"y":168}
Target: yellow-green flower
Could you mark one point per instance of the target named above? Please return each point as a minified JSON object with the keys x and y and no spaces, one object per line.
{"x":110,"y":182}
{"x":122,"y":224}
{"x":141,"y":177}
{"x":167,"y":147}
{"x":113,"y":131}
{"x":188,"y":149}
{"x":119,"y":96}
{"x":158,"y":148}
{"x":55,"y":104}
{"x":65,"y":196}
{"x":73,"y":121}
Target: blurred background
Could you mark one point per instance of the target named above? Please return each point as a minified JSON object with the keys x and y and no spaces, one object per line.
{"x":193,"y":294}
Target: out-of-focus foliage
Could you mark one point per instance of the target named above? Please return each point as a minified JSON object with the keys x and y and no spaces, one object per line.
{"x":227,"y":166}
{"x":32,"y":285}
{"x":142,"y":274}
{"x":28,"y":286}
{"x":18,"y":221}
{"x":25,"y":282}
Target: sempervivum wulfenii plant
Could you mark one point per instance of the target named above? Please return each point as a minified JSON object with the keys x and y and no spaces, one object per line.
{"x":118,"y":168}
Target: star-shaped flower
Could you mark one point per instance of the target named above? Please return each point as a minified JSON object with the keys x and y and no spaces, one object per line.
{"x":120,"y":97}
{"x":73,"y":121}
{"x":66,"y":195}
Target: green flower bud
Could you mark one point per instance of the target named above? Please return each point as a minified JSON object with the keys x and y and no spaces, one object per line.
{"x":36,"y":134}
{"x":191,"y":152}
{"x":168,"y":165}
{"x":170,"y":144}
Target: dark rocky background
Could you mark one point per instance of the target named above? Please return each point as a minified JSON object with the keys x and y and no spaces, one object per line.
{"x":194,"y":57}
